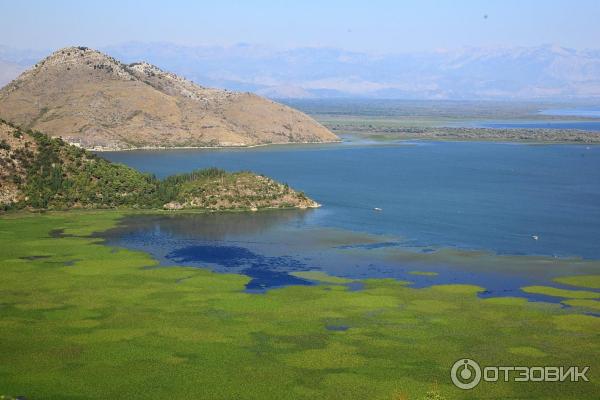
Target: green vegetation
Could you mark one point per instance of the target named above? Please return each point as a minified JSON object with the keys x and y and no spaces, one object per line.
{"x":423,"y":273}
{"x":321,"y":277}
{"x":589,"y":302}
{"x":424,"y":129}
{"x":47,"y":173}
{"x":593,"y":305}
{"x":587,"y":281}
{"x":214,"y":189}
{"x":556,"y":292}
{"x":63,"y":176}
{"x":79,"y":319}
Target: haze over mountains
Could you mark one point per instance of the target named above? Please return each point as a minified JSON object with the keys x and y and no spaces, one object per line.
{"x":94,"y":100}
{"x":544,"y":72}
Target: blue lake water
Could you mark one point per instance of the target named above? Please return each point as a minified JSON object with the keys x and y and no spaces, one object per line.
{"x":481,"y":202}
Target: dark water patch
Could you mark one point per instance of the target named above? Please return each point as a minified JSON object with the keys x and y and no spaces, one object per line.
{"x":270,"y":253}
{"x":59,"y":233}
{"x":183,"y":279}
{"x":34,"y":257}
{"x":229,"y":256}
{"x":534,"y":297}
{"x":574,"y":288}
{"x":337,"y":328}
{"x":266,"y":272}
{"x":70,"y":263}
{"x":355,"y":286}
{"x":264,"y":279}
{"x":233,"y":257}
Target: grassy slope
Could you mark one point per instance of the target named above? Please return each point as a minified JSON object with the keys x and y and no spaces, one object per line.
{"x":81,"y":320}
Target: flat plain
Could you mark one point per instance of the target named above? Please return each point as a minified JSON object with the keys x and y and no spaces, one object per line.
{"x":502,"y":121}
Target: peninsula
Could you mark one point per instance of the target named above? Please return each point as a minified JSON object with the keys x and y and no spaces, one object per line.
{"x":39,"y":172}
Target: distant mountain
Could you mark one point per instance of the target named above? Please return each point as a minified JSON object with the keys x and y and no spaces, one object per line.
{"x":544,"y":72}
{"x":14,"y":61}
{"x":91,"y":99}
{"x":8,"y":71}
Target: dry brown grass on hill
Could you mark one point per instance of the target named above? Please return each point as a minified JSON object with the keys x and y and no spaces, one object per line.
{"x":91,"y":99}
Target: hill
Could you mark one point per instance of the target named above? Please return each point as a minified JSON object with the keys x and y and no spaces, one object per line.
{"x":91,"y":99}
{"x":39,"y":172}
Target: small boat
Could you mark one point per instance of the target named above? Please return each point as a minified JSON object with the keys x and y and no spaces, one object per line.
{"x":377,"y":209}
{"x":535,"y":237}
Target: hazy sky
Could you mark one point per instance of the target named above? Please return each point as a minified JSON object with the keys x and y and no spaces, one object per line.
{"x":373,"y":25}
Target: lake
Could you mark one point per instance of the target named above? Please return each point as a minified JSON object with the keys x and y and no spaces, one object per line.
{"x":466,"y":212}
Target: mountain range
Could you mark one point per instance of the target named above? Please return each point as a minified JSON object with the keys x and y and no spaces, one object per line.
{"x":543,"y":72}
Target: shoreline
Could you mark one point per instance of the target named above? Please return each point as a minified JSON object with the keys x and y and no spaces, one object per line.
{"x":375,"y":138}
{"x":105,"y":149}
{"x":497,"y":141}
{"x":383,"y":138}
{"x":586,"y":139}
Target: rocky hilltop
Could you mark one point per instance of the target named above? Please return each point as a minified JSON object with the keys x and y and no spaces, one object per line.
{"x":39,"y":172}
{"x":93,"y":100}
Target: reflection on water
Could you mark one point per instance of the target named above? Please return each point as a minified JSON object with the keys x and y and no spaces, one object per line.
{"x":217,"y":226}
{"x":269,"y":246}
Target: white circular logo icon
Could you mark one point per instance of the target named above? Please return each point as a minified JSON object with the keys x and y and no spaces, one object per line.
{"x":465,"y":374}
